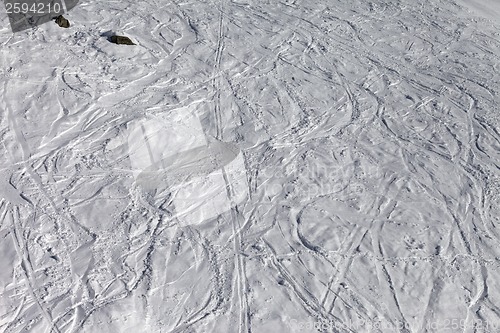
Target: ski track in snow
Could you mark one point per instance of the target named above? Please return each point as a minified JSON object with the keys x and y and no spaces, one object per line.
{"x":370,"y":148}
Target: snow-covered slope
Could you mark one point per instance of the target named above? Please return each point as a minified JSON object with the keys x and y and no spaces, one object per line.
{"x":488,"y":9}
{"x":251,"y":166}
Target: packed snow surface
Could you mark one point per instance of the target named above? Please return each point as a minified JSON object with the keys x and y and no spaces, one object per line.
{"x":252,"y":166}
{"x":488,"y":9}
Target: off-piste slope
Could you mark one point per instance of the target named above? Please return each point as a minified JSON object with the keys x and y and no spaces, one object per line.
{"x":486,"y":9}
{"x":251,"y":166}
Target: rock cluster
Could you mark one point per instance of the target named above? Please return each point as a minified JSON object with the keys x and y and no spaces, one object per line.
{"x":62,"y":22}
{"x":121,"y":40}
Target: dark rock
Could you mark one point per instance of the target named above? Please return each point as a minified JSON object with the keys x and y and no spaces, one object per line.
{"x":121,"y":40}
{"x":62,"y":22}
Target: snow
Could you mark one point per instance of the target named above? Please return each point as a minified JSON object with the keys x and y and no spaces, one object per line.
{"x":487,"y":9}
{"x":252,"y":166}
